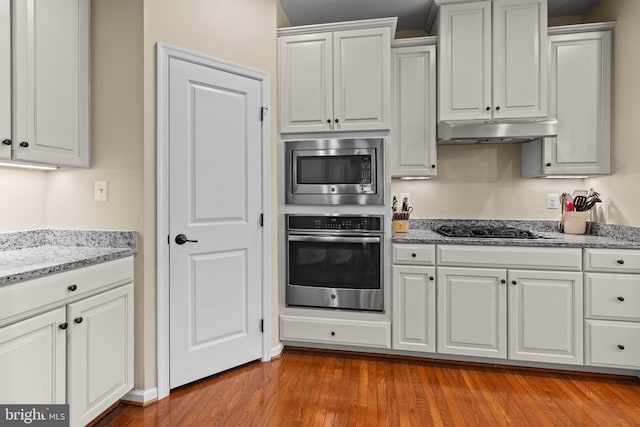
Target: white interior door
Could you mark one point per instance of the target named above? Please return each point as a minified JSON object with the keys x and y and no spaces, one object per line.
{"x":215,"y":199}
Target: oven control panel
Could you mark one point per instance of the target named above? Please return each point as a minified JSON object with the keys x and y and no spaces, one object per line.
{"x":335,"y":222}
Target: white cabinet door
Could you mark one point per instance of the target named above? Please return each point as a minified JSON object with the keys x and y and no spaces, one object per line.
{"x":414,"y":308}
{"x":306,"y":82}
{"x":413,"y":101}
{"x":464,"y":61}
{"x":51,"y":82}
{"x":580,"y":94}
{"x":100,"y":357}
{"x":519,"y":58}
{"x":5,"y":79}
{"x":32,"y":360}
{"x":545,"y":316}
{"x":362,"y":79}
{"x":472,"y":312}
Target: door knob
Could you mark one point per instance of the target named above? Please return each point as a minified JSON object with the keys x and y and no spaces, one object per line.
{"x":181,"y":239}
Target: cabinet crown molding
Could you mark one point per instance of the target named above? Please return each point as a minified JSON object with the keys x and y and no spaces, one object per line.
{"x":415,"y":41}
{"x":581,"y":28}
{"x":338,"y":26}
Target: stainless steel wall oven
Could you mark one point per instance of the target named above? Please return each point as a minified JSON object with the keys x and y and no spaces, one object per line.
{"x":335,"y":171}
{"x":335,"y":261}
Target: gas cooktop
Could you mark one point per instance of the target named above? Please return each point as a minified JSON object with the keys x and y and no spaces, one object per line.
{"x":487,"y":232}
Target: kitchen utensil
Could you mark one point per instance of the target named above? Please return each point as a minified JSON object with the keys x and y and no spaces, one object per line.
{"x":394,"y":205}
{"x":579,"y":203}
{"x":577,"y":193}
{"x":405,"y":204}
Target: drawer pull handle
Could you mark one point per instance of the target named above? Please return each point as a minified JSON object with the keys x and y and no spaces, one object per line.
{"x":620,"y":261}
{"x":413,"y":255}
{"x":63,"y":326}
{"x":620,"y":299}
{"x":620,"y":346}
{"x":333,"y":296}
{"x":78,"y":320}
{"x":333,"y":334}
{"x":73,"y":287}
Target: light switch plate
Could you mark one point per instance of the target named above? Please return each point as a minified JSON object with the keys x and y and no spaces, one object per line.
{"x":101,"y":192}
{"x":553,"y":201}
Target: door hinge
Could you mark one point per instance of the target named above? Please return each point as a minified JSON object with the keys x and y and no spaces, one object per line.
{"x":261,"y":220}
{"x":261,"y":325}
{"x":263,"y":112}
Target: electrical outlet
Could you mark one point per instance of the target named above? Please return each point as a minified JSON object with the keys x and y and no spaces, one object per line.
{"x":101,"y":192}
{"x":553,"y":201}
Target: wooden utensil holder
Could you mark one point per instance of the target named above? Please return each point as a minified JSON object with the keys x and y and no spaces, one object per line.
{"x":400,"y":226}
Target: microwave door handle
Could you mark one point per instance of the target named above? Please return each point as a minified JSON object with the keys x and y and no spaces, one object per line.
{"x":334,"y":239}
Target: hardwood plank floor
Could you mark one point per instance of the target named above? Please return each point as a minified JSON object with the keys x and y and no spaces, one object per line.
{"x":311,"y":388}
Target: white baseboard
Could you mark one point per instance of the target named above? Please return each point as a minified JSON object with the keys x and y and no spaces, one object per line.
{"x":141,"y":396}
{"x":277,"y":350}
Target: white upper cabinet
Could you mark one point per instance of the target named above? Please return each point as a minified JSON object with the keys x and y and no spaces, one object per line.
{"x":335,"y":77}
{"x":5,"y":79}
{"x":492,"y":59}
{"x":413,"y":106}
{"x":580,"y":98}
{"x":51,"y":82}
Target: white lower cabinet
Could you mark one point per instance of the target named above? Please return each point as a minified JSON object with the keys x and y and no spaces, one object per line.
{"x":472,"y":311}
{"x":612,"y":308}
{"x":335,"y":331}
{"x":530,"y":315}
{"x":414,"y":308}
{"x":32,"y":360}
{"x":75,"y":344}
{"x":545,"y":316}
{"x":100,"y":363}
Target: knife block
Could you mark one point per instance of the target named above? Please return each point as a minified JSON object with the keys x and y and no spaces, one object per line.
{"x":400,"y":226}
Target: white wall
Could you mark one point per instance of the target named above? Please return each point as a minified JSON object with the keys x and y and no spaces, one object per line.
{"x":22,"y":199}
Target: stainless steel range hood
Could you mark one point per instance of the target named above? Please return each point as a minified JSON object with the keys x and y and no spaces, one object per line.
{"x":504,"y":131}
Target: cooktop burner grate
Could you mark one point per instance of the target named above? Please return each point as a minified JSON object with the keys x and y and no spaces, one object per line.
{"x":487,"y":232}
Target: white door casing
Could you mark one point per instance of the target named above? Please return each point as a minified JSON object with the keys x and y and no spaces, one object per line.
{"x":213,"y":185}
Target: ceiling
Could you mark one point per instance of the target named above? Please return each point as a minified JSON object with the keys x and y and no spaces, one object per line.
{"x":412,"y":14}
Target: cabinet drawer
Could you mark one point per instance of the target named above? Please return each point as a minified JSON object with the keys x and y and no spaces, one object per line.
{"x":414,"y":254}
{"x":510,"y":257}
{"x":612,"y":296}
{"x":614,"y":260}
{"x":26,"y":298}
{"x":615,"y":344}
{"x":347,"y":332}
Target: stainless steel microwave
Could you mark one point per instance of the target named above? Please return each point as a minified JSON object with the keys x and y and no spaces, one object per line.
{"x":335,"y":171}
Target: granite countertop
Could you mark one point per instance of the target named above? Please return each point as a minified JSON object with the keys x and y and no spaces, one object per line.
{"x":30,"y":254}
{"x":603,"y":236}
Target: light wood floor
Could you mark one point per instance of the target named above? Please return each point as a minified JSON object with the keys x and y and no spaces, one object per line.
{"x":310,"y":388}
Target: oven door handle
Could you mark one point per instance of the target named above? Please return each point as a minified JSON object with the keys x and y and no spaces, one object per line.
{"x":334,"y":239}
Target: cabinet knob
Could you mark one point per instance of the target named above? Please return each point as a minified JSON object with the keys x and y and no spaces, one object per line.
{"x":621,"y":299}
{"x":620,"y":261}
{"x":328,"y":120}
{"x":63,"y":326}
{"x":73,"y":287}
{"x":413,"y":255}
{"x":548,"y":164}
{"x":24,"y":144}
{"x":503,"y":281}
{"x":620,"y":346}
{"x":433,"y":166}
{"x":333,"y":296}
{"x":78,"y":320}
{"x":333,"y":334}
{"x":431,"y":278}
{"x":6,"y":141}
{"x":498,"y":108}
{"x":336,"y":120}
{"x":513,"y":282}
{"x":488,"y":108}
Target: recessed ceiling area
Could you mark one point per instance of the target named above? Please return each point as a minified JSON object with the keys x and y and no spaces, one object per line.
{"x":412,"y":14}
